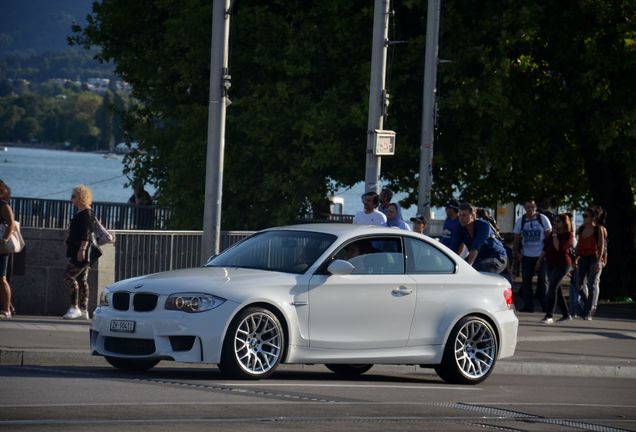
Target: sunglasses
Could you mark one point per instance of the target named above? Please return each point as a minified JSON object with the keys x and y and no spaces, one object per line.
{"x":585,"y":216}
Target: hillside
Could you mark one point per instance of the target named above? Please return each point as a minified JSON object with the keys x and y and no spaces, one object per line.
{"x":33,"y":41}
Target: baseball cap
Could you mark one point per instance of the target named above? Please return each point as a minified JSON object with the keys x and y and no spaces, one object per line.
{"x":454,"y":204}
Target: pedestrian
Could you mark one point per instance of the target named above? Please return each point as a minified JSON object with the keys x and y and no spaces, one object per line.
{"x":485,"y":251}
{"x":77,"y":249}
{"x":6,"y":218}
{"x":386,"y":195}
{"x":419,"y":224}
{"x":370,"y":215}
{"x":590,"y":250}
{"x":530,"y":230}
{"x":143,"y":213}
{"x":394,"y":217}
{"x":556,"y":253}
{"x":451,"y":224}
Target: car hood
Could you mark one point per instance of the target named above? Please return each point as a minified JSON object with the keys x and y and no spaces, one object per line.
{"x":230,"y":283}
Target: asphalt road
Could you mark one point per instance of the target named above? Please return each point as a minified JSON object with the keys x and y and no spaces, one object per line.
{"x":55,"y":398}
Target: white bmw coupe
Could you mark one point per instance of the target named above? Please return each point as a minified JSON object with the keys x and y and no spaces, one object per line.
{"x":348,"y":296}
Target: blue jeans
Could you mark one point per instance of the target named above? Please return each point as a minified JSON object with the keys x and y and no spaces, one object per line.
{"x":556,"y":274}
{"x":527,"y":272}
{"x":491,"y":265}
{"x":575,"y":296}
{"x":587,"y":273}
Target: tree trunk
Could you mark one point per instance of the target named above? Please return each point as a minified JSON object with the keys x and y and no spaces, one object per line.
{"x":610,"y":185}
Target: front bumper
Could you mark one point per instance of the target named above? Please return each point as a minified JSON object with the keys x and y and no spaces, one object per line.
{"x":162,"y":334}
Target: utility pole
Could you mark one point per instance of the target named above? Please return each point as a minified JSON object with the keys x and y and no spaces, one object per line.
{"x":428,"y":112}
{"x":219,"y":86}
{"x":378,"y":99}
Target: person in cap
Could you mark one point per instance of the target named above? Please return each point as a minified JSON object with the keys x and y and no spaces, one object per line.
{"x":419,"y":224}
{"x":451,"y":224}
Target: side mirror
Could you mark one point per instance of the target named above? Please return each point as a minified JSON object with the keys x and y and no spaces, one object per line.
{"x":340,"y":267}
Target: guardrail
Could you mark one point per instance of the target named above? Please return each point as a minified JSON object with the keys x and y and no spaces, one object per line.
{"x":143,"y":252}
{"x":49,"y":213}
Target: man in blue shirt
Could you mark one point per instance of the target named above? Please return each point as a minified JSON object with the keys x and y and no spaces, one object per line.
{"x":451,"y":224}
{"x":485,"y":252}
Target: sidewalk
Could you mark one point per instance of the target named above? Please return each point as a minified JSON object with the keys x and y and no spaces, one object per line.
{"x":604,"y":347}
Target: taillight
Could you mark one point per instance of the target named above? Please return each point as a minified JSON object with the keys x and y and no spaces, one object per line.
{"x":508,"y":298}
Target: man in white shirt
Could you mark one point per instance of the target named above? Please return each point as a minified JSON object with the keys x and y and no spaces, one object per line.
{"x":529,"y":231}
{"x":370,"y":215}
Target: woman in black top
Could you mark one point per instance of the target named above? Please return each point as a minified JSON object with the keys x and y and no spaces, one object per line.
{"x":77,"y":244}
{"x":6,"y":218}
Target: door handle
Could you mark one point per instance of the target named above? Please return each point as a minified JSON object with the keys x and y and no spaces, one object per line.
{"x":402,"y":291}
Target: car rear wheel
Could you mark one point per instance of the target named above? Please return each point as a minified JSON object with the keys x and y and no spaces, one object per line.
{"x":253,"y":346}
{"x":470,"y":353}
{"x":132,"y":365}
{"x":349,"y":370}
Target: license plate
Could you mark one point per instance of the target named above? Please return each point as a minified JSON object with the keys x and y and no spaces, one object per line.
{"x":122,"y":326}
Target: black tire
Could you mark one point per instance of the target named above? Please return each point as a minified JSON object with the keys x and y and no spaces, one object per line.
{"x":348,"y":370}
{"x":470,"y":353}
{"x":132,"y":365}
{"x":253,"y":346}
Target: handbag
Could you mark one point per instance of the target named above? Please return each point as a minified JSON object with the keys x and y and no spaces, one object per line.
{"x":94,"y":252}
{"x":15,"y":242}
{"x":102,"y":235}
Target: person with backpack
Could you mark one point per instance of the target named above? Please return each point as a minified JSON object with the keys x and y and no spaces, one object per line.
{"x":486,"y":253}
{"x":590,"y":252}
{"x":529,"y":232}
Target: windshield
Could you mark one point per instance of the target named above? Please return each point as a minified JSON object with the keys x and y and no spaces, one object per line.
{"x":284,"y":251}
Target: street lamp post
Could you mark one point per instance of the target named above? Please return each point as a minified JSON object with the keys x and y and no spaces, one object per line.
{"x":219,"y":86}
{"x":428,"y":112}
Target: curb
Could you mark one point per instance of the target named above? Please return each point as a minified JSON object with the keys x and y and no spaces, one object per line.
{"x":65,"y":357}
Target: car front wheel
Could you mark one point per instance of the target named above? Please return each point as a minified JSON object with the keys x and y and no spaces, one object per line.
{"x":470,"y":353}
{"x":253,"y":346}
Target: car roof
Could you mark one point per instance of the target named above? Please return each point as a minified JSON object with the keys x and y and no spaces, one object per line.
{"x":345,"y":229}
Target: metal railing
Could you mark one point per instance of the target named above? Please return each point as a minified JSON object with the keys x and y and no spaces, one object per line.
{"x":49,"y":213}
{"x":143,"y":252}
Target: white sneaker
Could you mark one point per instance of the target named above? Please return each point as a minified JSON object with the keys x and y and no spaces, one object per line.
{"x":84,"y":315}
{"x":72,"y":313}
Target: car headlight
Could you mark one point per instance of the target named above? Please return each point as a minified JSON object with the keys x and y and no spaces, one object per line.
{"x":193,"y":302}
{"x":104,"y":298}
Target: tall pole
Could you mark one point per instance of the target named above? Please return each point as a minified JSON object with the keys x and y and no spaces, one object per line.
{"x":428,"y":112}
{"x":376,"y":91}
{"x":219,"y":85}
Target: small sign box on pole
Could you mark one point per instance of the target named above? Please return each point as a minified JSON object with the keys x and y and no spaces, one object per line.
{"x":384,"y":142}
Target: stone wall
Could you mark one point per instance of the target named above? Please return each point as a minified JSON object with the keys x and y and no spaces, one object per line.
{"x":37,"y":281}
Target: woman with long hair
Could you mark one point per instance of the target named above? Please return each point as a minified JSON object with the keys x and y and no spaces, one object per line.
{"x":590,"y":251}
{"x":6,"y":218}
{"x":556,"y":253}
{"x":77,"y":244}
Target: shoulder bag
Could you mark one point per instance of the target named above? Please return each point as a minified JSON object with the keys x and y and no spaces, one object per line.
{"x":102,"y":235}
{"x":15,"y":242}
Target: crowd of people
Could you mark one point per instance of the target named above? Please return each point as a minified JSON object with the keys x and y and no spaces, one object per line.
{"x":541,"y":244}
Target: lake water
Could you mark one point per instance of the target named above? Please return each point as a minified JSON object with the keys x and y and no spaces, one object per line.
{"x":52,"y":174}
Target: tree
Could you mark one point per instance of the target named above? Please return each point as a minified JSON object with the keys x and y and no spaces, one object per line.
{"x":536,"y":100}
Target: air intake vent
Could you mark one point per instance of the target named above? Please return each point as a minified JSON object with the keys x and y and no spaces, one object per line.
{"x":129,"y":346}
{"x":144,"y":302}
{"x":121,"y":301}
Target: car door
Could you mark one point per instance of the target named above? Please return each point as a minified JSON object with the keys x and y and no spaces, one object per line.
{"x":369,"y":309}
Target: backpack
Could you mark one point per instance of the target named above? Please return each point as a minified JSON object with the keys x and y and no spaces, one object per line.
{"x":524,"y":219}
{"x":493,"y":227}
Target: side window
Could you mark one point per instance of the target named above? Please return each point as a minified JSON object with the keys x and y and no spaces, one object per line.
{"x":382,"y":255}
{"x":426,"y":258}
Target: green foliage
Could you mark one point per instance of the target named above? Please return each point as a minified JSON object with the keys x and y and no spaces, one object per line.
{"x":50,"y":113}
